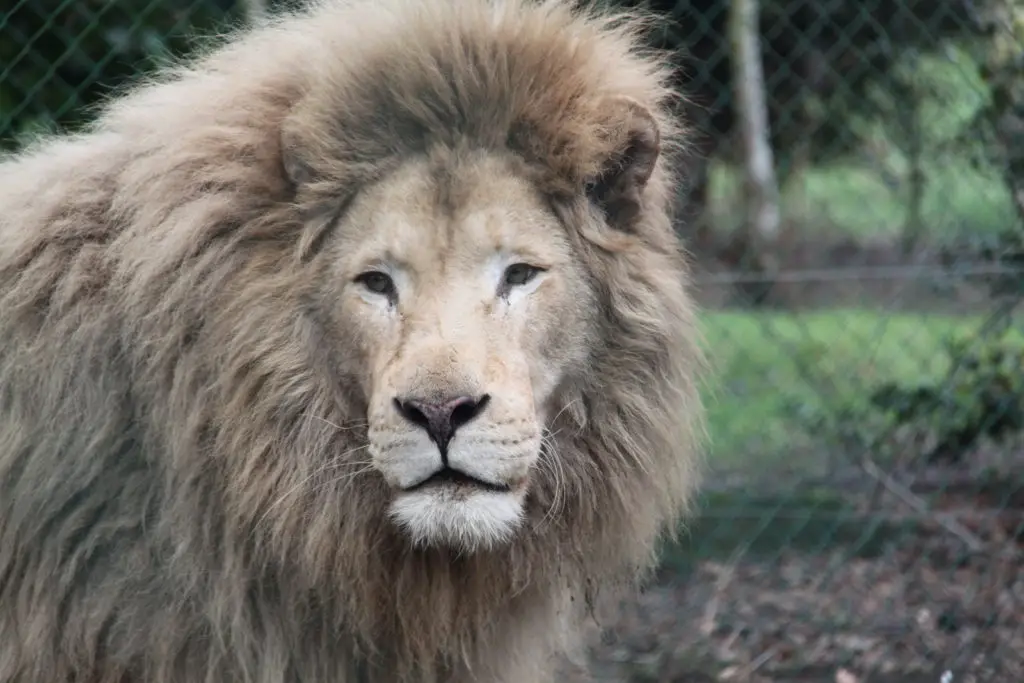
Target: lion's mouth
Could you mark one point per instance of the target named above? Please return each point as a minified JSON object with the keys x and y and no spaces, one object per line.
{"x":448,"y":476}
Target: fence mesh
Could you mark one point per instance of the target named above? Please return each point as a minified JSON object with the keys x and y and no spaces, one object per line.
{"x":864,"y":519}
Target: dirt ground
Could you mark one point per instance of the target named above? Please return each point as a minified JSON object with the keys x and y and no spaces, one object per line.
{"x":918,"y":607}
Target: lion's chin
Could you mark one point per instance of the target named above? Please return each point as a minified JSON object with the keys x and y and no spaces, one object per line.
{"x":452,"y":517}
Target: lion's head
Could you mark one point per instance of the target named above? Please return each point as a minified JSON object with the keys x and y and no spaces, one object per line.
{"x":487,"y":254}
{"x":468,"y":308}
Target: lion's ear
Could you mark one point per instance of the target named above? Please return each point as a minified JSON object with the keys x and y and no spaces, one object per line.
{"x":618,"y":188}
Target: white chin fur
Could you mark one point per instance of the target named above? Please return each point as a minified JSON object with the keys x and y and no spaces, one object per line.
{"x":469,"y":523}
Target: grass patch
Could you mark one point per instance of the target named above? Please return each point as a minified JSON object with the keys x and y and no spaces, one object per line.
{"x":959,"y":201}
{"x":775,"y":374}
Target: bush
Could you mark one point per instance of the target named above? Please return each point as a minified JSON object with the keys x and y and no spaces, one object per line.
{"x":982,"y":395}
{"x":59,"y":58}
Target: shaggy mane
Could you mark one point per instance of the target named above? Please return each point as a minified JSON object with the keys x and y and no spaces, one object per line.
{"x":183,"y":493}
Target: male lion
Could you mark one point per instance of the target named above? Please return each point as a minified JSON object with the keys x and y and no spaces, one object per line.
{"x":357,"y":349}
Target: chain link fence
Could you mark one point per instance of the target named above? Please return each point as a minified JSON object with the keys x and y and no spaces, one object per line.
{"x":864,"y":519}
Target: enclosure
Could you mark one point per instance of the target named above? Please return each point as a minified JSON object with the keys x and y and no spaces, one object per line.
{"x":863,"y":519}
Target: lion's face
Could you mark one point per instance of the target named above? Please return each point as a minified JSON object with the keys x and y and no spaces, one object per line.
{"x":463,"y":296}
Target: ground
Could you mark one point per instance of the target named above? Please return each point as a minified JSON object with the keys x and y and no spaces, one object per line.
{"x":846,"y":594}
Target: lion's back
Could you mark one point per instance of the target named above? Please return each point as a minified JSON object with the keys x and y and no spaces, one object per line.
{"x":93,"y":227}
{"x":65,"y":538}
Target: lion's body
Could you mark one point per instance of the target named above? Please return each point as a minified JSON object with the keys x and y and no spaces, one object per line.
{"x":172,"y":398}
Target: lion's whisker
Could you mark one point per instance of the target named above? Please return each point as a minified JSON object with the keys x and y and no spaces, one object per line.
{"x":550,"y":462}
{"x":333,"y":464}
{"x":346,"y":477}
{"x":563,"y":409}
{"x":351,"y":425}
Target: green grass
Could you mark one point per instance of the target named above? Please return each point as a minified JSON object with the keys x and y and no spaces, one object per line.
{"x":773,"y":375}
{"x":773,"y":372}
{"x":845,"y":199}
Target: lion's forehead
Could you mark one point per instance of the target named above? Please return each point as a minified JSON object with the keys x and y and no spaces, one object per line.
{"x":454,"y":223}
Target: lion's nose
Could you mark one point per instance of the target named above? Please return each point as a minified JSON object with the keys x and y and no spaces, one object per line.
{"x":440,"y":419}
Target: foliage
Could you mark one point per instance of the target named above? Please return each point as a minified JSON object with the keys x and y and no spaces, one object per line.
{"x":1003,"y":64}
{"x":935,"y":97}
{"x":920,"y":116}
{"x":982,"y":395}
{"x":783,"y":381}
{"x":820,"y":57}
{"x":58,"y":58}
{"x":1006,"y":250}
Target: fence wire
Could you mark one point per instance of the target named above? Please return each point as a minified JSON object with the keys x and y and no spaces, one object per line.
{"x":864,"y":519}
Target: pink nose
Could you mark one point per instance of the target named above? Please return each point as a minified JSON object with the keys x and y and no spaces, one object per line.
{"x":440,"y":419}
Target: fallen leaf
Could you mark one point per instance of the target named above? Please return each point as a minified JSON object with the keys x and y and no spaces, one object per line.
{"x":844,"y":676}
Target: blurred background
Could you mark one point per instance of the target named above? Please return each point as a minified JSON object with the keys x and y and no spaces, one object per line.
{"x":854,"y":205}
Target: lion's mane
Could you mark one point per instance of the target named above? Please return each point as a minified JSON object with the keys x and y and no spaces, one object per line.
{"x":183,"y":490}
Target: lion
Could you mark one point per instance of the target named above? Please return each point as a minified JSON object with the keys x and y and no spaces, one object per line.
{"x":357,"y":347}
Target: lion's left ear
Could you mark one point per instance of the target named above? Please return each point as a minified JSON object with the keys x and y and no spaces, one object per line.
{"x":618,"y":188}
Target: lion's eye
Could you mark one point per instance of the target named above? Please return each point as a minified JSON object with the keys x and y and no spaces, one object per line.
{"x":519,"y":274}
{"x":377,"y":282}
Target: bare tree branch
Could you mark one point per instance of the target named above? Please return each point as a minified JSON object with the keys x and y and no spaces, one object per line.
{"x":920,"y":506}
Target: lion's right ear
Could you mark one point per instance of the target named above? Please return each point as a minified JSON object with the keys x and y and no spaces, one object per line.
{"x":619,"y":187}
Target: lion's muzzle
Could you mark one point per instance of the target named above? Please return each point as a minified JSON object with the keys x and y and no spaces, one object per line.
{"x":440,"y":419}
{"x":458,"y":463}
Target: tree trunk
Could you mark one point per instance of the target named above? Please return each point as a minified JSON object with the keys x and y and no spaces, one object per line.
{"x":913,"y":228}
{"x":757,"y":240}
{"x":761,"y":187}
